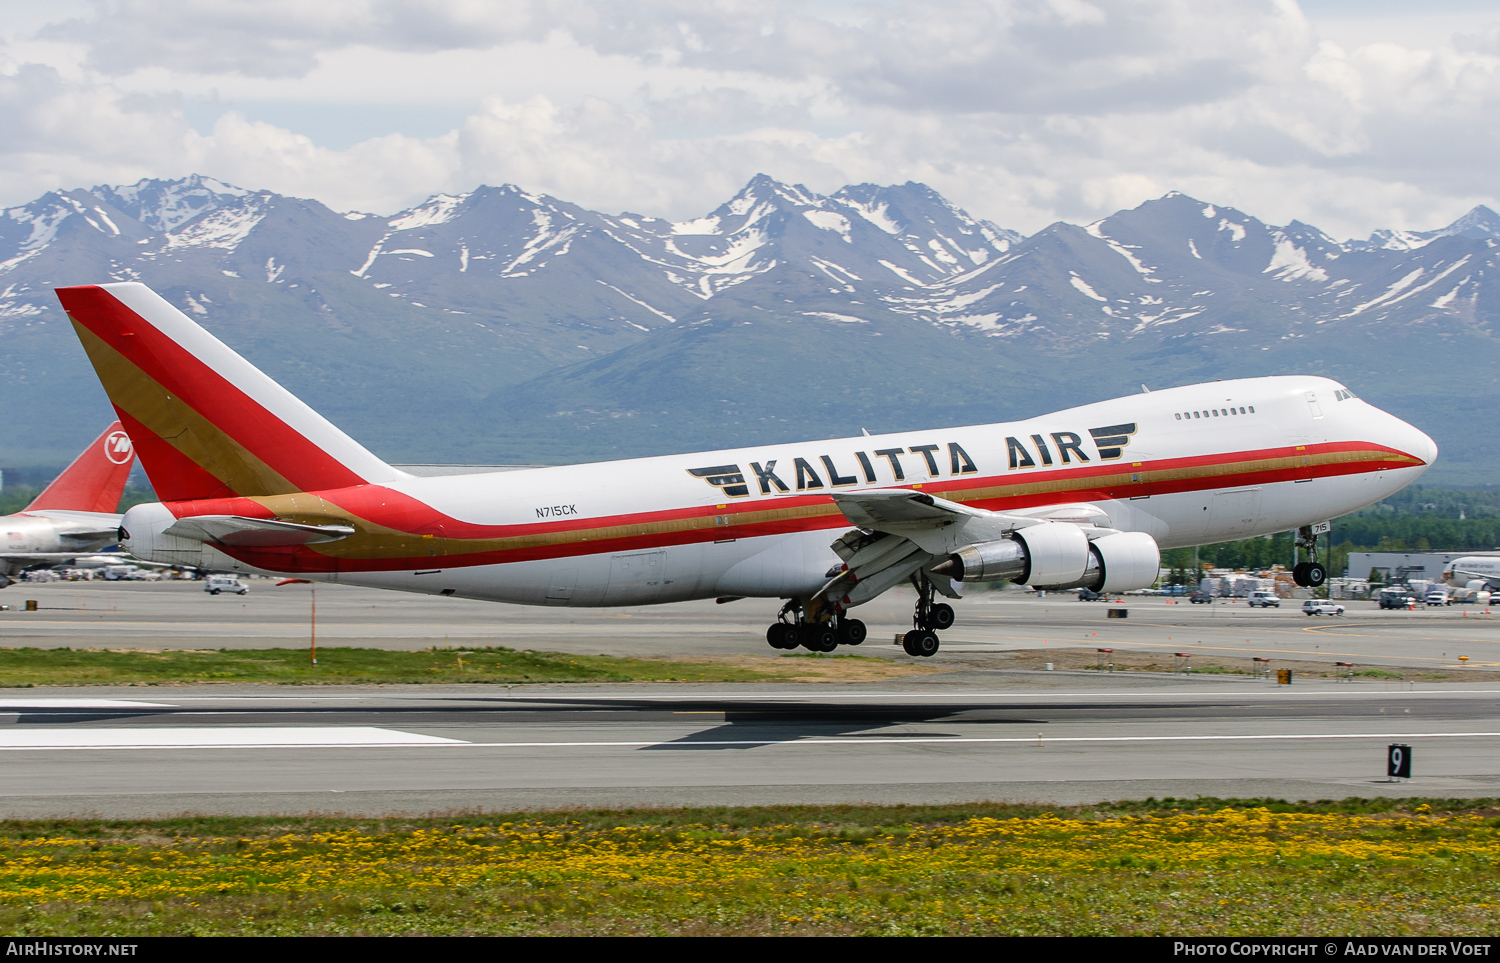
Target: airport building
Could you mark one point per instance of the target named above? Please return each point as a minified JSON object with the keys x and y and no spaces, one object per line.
{"x":1401,"y":566}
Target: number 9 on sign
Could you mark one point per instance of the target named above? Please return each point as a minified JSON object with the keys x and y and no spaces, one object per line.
{"x":1398,"y":761}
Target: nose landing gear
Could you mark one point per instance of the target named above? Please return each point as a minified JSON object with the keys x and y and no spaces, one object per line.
{"x":1309,"y":574}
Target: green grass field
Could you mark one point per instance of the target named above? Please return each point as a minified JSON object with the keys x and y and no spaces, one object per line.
{"x":1205,"y":867}
{"x":32,"y":667}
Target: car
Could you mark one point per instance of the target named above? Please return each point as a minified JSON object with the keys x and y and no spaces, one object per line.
{"x":1390,"y":599}
{"x":1088,"y":595}
{"x":1201,"y":598}
{"x":1321,"y":607}
{"x":215,"y":584}
{"x":1264,"y":600}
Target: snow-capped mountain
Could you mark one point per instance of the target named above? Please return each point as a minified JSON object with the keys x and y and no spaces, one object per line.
{"x":502,"y":323}
{"x":1177,"y":268}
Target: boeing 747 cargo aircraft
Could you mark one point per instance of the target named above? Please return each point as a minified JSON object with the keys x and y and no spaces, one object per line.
{"x":253,"y":480}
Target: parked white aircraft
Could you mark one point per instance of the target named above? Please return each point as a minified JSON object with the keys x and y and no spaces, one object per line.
{"x":1473,"y":571}
{"x":73,"y":516}
{"x":252,"y":479}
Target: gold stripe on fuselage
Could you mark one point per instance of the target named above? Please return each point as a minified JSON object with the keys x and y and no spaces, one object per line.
{"x":375,"y":541}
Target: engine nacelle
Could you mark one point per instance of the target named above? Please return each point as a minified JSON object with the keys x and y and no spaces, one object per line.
{"x":1060,"y":556}
{"x":1050,"y":553}
{"x":1129,"y":560}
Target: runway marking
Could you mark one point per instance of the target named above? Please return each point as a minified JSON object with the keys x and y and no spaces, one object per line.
{"x":370,"y":737}
{"x":1056,"y":642}
{"x":522,"y":700}
{"x":216,"y":737}
{"x":80,"y":704}
{"x":934,"y":740}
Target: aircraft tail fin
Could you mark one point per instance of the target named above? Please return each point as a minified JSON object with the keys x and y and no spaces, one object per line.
{"x":206,"y":423}
{"x":95,"y":480}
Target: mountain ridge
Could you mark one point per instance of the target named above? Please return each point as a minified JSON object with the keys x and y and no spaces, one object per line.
{"x":505,"y":325}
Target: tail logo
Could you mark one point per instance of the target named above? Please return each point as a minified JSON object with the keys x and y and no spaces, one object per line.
{"x":117,"y":447}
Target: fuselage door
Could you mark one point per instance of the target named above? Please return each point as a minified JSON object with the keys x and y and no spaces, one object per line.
{"x":1235,"y":513}
{"x":636,"y":578}
{"x":560,"y":586}
{"x":1313,"y":406}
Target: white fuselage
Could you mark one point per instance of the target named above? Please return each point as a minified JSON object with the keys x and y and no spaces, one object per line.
{"x":1472,"y":568}
{"x":52,"y":532}
{"x":680,"y":527}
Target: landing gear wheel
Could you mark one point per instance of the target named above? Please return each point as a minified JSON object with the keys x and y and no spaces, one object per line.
{"x":851,"y":632}
{"x":925,"y":644}
{"x":1311,"y":573}
{"x":929,"y":616}
{"x":818,"y":638}
{"x":782,"y":635}
{"x":940,"y":617}
{"x":908,"y":639}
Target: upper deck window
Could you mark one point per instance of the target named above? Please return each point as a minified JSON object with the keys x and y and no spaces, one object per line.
{"x":1217,"y":412}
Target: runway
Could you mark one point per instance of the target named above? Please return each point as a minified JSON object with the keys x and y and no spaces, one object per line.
{"x":982,"y":727}
{"x":179,"y":615}
{"x":1070,"y":738}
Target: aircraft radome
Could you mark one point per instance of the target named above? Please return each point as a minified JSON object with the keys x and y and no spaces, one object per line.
{"x":73,"y":516}
{"x":252,"y":479}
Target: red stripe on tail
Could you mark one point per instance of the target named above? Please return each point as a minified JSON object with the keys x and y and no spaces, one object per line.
{"x":185,"y":378}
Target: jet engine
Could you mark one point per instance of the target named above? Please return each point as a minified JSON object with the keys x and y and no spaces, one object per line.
{"x":1056,"y":555}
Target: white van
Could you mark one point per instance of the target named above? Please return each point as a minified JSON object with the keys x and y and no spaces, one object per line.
{"x":215,"y":584}
{"x":1263,"y":599}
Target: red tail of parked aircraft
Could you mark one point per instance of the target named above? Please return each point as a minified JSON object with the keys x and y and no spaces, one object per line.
{"x":96,"y":479}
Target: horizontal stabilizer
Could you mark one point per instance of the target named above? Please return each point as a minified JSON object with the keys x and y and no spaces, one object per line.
{"x":240,"y":531}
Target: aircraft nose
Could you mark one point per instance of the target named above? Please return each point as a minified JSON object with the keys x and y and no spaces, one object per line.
{"x":1426,"y":448}
{"x":1414,"y":441}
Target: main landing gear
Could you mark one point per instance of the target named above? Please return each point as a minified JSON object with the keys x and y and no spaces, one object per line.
{"x":792,"y":630}
{"x":1309,"y":574}
{"x":929,"y":617}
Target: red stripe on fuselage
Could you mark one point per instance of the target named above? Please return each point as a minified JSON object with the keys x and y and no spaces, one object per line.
{"x":180,"y":373}
{"x":395,"y":510}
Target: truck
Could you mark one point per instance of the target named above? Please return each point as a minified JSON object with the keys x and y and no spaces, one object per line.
{"x":1395,"y":597}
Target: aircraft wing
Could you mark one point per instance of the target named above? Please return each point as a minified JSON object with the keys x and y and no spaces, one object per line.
{"x":40,"y":558}
{"x":876,"y":510}
{"x":904,"y":531}
{"x":254,"y":532}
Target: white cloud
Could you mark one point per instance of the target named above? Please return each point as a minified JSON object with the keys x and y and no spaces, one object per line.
{"x":1023,"y":111}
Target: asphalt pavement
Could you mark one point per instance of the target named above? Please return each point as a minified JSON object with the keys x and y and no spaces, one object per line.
{"x":980,"y":729}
